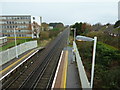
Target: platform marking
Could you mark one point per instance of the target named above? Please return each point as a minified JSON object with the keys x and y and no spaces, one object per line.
{"x":66,"y":66}
{"x":64,"y":72}
{"x":2,"y":71}
{"x":53,"y":84}
{"x":18,"y":64}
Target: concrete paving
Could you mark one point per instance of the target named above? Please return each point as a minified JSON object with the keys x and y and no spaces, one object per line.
{"x":73,"y":80}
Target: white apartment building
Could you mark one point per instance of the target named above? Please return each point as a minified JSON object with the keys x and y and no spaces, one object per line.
{"x":25,"y":26}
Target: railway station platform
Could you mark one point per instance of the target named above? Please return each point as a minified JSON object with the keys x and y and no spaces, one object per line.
{"x":66,"y":75}
{"x":10,"y":66}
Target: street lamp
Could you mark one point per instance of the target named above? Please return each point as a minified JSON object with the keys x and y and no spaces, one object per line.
{"x":74,"y":41}
{"x":83,"y":38}
{"x":41,"y":23}
{"x":15,"y":43}
{"x":74,"y":32}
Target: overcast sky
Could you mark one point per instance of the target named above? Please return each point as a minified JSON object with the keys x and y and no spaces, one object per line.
{"x":65,"y":11}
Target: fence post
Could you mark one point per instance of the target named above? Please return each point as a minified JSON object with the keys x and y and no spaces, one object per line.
{"x":23,"y":48}
{"x":8,"y":54}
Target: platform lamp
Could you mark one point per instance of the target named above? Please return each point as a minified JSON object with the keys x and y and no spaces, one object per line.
{"x":74,"y":29}
{"x":15,"y":42}
{"x":84,"y":38}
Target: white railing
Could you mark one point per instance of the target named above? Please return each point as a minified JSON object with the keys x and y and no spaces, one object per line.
{"x":82,"y":74}
{"x":9,"y":54}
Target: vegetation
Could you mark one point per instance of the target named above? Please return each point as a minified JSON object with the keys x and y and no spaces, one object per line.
{"x":117,"y":24}
{"x":107,"y":65}
{"x":56,"y":29}
{"x":56,"y":25}
{"x":105,"y":38}
{"x":12,"y":43}
{"x":81,"y":28}
{"x":47,"y":36}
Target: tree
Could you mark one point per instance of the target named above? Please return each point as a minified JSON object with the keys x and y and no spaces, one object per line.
{"x":81,"y":28}
{"x":59,"y":25}
{"x":117,"y":24}
{"x":78,"y":27}
{"x":56,"y":25}
{"x":45,"y":26}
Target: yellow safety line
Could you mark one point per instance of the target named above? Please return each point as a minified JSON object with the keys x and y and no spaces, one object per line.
{"x":66,"y":65}
{"x":64,"y":72}
{"x":2,"y":71}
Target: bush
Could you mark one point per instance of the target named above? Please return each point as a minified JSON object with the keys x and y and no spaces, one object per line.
{"x":106,"y":73}
{"x":105,"y":38}
{"x":117,"y":24}
{"x":44,"y":35}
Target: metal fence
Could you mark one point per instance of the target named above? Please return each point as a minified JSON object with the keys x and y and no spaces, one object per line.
{"x":9,"y":54}
{"x":83,"y":77}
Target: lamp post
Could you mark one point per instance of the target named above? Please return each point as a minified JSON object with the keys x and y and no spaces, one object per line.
{"x":74,"y":41}
{"x":41,"y":23}
{"x":15,"y":43}
{"x":93,"y":61}
{"x":83,"y":38}
{"x":74,"y":34}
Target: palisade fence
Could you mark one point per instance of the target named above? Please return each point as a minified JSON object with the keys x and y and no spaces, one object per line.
{"x":9,"y":54}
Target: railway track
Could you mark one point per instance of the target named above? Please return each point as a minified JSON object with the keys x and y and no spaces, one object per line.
{"x":40,"y":73}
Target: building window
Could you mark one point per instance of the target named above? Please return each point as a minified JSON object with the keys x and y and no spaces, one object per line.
{"x":0,"y":27}
{"x":12,"y":22}
{"x":4,"y":26}
{"x":10,"y":26}
{"x":8,"y":35}
{"x":33,"y":18}
{"x":19,"y":30}
{"x":29,"y":22}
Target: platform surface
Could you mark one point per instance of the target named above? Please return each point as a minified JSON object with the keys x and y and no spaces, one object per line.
{"x":66,"y":75}
{"x":73,"y":80}
{"x":7,"y":67}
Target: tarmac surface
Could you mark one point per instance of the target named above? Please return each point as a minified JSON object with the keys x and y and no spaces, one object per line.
{"x":73,"y":80}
